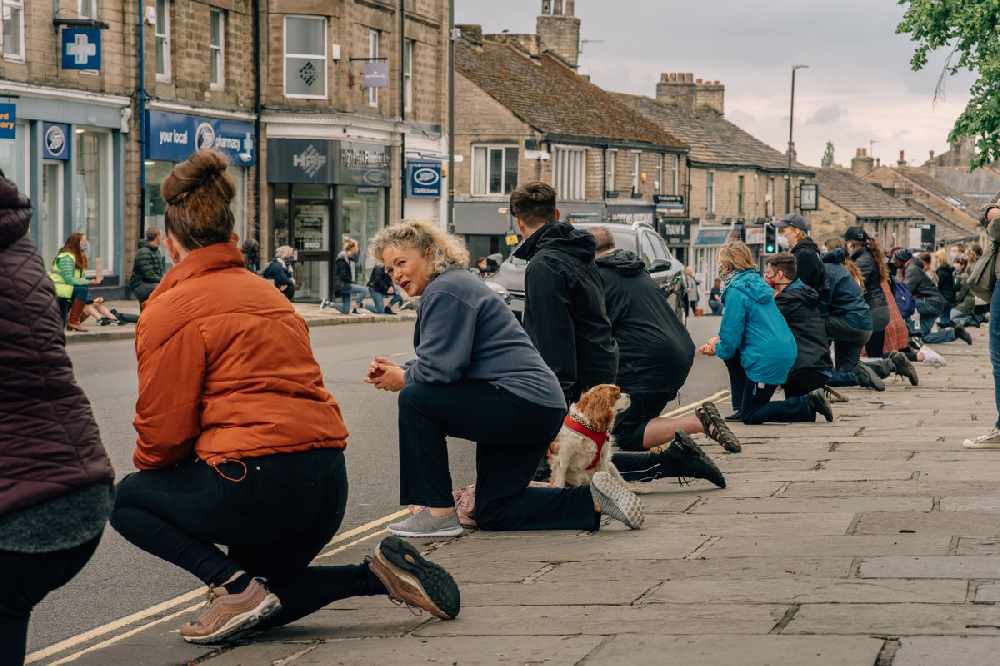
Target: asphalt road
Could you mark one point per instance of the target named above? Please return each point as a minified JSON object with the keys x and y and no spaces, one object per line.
{"x":121,"y":579}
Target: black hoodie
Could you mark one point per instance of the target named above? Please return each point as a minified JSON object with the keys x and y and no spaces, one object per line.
{"x":809,"y":265}
{"x":564,"y":308}
{"x":655,"y":351}
{"x":799,"y":304}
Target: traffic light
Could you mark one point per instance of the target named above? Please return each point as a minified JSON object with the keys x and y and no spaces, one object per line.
{"x":770,"y":239}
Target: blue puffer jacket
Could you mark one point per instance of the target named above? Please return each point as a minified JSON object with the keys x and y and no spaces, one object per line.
{"x":843,"y":296}
{"x":753,"y":326}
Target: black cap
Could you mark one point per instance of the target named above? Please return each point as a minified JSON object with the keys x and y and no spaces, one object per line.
{"x":903,"y":255}
{"x":855,"y":234}
{"x":793,"y":220}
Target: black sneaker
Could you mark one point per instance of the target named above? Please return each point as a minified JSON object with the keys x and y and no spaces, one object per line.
{"x":963,"y":335}
{"x":904,"y":367}
{"x":714,"y":427}
{"x":735,"y":417}
{"x":915,"y":344}
{"x":867,"y":378}
{"x":685,"y":458}
{"x":820,"y":405}
{"x":882,"y":367}
{"x":414,"y":580}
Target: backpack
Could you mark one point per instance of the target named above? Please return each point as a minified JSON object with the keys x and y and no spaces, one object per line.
{"x":904,"y":299}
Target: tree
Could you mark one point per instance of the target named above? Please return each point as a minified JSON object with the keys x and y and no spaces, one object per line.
{"x":971,"y":29}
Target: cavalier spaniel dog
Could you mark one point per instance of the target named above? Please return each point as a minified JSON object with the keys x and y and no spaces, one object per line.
{"x":583,"y":445}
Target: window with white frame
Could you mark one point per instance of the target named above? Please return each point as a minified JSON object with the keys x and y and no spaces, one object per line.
{"x":217,"y":48}
{"x":636,"y":176}
{"x":710,"y":193}
{"x":675,"y":174}
{"x":87,"y":9}
{"x":409,"y":47}
{"x":740,"y":194}
{"x":770,"y":197}
{"x":658,"y":185}
{"x":162,"y":30}
{"x":305,"y":57}
{"x":570,"y":173}
{"x":609,"y":180}
{"x":494,"y":169}
{"x":374,"y":39}
{"x":13,"y":29}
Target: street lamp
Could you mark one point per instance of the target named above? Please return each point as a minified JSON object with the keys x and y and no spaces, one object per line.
{"x":791,"y":143}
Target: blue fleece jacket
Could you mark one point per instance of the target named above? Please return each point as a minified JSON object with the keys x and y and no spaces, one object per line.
{"x":465,"y":332}
{"x":753,"y":326}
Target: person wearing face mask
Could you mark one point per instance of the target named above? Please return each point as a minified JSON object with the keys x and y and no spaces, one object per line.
{"x":794,"y":238}
{"x":67,"y":274}
{"x":241,"y":448}
{"x":279,"y":271}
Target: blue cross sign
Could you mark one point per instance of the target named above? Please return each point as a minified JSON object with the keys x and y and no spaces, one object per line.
{"x":81,"y":48}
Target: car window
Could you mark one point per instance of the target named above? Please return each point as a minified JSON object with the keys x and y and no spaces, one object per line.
{"x":660,"y":249}
{"x":624,"y":239}
{"x":646,"y":249}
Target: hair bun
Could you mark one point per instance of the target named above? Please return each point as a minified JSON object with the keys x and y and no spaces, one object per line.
{"x":195,"y":172}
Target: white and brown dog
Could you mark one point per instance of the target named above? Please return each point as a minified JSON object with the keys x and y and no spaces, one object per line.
{"x":583,"y":445}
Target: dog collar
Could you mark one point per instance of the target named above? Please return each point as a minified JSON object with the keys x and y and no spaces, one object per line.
{"x":598,"y":438}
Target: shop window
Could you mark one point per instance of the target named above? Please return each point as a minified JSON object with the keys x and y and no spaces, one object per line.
{"x":494,"y":169}
{"x":740,"y":194}
{"x":279,"y":217}
{"x":658,"y":185}
{"x":362,"y":217}
{"x":374,"y":39}
{"x":570,"y":173}
{"x":635,"y":173}
{"x":13,"y":29}
{"x":609,"y":176}
{"x":13,"y":156}
{"x":408,"y":51}
{"x":87,"y":9}
{"x":770,"y":197}
{"x":92,"y":190}
{"x":217,"y":48}
{"x":710,"y":193}
{"x":305,"y":57}
{"x":162,"y":30}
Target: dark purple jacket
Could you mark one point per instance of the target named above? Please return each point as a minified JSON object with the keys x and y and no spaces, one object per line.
{"x":49,"y":441}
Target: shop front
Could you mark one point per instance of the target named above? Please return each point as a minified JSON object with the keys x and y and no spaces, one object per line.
{"x":673,"y":224}
{"x":320,"y":192}
{"x":630,"y":213}
{"x":174,"y":137}
{"x":707,"y":243}
{"x":486,"y":226}
{"x":67,"y":155}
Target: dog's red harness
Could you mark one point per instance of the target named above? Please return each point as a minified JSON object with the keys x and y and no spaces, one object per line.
{"x":598,"y":438}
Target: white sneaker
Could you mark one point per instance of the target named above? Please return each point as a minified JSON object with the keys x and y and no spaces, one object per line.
{"x":990,"y":440}
{"x":932,"y":358}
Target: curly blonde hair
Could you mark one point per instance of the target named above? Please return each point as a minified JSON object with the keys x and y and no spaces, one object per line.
{"x":735,"y":256}
{"x":443,"y":249}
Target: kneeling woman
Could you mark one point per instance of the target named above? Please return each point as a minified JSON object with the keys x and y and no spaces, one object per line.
{"x":239,"y":442}
{"x":477,"y":376}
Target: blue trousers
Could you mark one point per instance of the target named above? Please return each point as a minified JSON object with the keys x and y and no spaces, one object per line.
{"x":928,"y":312}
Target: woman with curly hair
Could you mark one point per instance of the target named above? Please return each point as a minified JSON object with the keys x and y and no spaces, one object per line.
{"x":476,"y":376}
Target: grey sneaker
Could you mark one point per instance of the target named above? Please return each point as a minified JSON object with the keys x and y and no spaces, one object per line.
{"x":423,"y":525}
{"x":990,"y":440}
{"x":616,"y":500}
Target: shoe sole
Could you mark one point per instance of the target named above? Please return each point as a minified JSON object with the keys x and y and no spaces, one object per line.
{"x":727,"y":438}
{"x":873,"y":382}
{"x":450,"y":532}
{"x":239,"y":624}
{"x":619,"y":502}
{"x":689,"y":444}
{"x":415,"y":580}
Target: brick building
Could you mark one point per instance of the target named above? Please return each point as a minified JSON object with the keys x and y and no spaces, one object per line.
{"x":526,"y":115}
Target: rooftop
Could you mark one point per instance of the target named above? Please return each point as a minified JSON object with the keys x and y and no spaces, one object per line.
{"x":861,"y":198}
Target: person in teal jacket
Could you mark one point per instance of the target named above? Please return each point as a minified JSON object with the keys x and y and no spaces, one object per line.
{"x":757,"y":346}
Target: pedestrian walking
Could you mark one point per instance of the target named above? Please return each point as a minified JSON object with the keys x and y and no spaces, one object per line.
{"x":477,"y":376}
{"x":279,"y":271}
{"x":757,"y":346}
{"x":56,"y":493}
{"x":148,"y":267}
{"x":929,"y":301}
{"x":794,"y":231}
{"x":691,"y":291}
{"x":241,"y":448}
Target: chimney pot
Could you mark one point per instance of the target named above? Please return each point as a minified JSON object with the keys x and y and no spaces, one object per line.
{"x":878,"y":162}
{"x":698,"y":81}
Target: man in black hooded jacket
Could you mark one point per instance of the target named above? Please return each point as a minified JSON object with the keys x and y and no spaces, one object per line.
{"x":564,"y":311}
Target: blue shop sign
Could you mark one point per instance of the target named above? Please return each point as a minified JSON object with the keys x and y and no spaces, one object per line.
{"x":174,"y":137}
{"x":81,"y":48}
{"x":8,"y":121}
{"x":423,"y":179}
{"x":55,"y":141}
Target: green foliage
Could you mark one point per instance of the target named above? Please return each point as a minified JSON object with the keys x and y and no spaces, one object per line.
{"x":970,"y":29}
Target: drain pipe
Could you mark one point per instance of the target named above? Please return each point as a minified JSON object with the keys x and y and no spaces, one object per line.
{"x":140,"y":103}
{"x":402,"y":109}
{"x":256,"y":126}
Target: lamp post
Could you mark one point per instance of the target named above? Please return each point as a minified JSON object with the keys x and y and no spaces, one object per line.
{"x":791,"y":143}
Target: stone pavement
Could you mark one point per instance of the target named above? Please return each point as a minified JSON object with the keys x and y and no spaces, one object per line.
{"x":309,"y":311}
{"x":874,"y":540}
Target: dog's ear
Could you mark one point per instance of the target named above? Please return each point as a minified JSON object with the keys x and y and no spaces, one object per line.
{"x":597,"y":405}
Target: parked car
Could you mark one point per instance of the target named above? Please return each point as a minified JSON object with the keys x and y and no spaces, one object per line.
{"x":639,"y":237}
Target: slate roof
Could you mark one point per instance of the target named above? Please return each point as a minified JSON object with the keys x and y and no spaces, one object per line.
{"x":942,"y":191}
{"x":861,"y":198}
{"x":947,"y":230}
{"x":552,"y":98}
{"x":713,"y":139}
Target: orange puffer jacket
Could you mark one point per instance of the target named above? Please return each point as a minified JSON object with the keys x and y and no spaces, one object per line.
{"x":226,"y":370}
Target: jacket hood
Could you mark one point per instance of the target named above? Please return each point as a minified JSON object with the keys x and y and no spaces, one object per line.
{"x":838,"y":256}
{"x":561,"y":237}
{"x":15,"y":213}
{"x":622,"y":261}
{"x":799,"y":291}
{"x":946,"y":269}
{"x":807,"y":243}
{"x":750,"y":283}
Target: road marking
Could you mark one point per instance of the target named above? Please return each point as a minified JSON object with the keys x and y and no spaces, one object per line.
{"x":187,"y":597}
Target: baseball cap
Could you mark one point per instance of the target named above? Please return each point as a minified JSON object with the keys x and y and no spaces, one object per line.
{"x":792,"y":220}
{"x":855,"y":234}
{"x":903,"y":255}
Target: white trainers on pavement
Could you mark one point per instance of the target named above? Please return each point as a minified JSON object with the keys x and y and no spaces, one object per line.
{"x":932,"y":358}
{"x":990,"y":440}
{"x":616,"y":500}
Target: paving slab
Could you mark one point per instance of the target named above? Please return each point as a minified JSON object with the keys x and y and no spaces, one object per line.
{"x":988,"y":592}
{"x":896,"y":619}
{"x":930,"y":567}
{"x":908,"y":487}
{"x":723,"y":568}
{"x":936,"y":651}
{"x":585,"y":592}
{"x":754,"y":524}
{"x":784,"y":505}
{"x":958,"y":523}
{"x":605,"y":545}
{"x":828,"y":546}
{"x":808,"y":591}
{"x":988,"y":503}
{"x":975,"y":546}
{"x":745,"y":651}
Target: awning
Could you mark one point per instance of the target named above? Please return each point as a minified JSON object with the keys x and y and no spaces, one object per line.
{"x":712,"y":236}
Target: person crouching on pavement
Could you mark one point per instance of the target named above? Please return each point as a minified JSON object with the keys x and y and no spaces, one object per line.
{"x":57,"y":491}
{"x":794,"y":230}
{"x":476,"y":376}
{"x":756,"y":344}
{"x":279,"y":271}
{"x":930,"y":303}
{"x":240,"y":448}
{"x":147,"y":268}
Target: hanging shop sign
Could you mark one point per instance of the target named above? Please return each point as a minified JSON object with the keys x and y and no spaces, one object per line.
{"x":808,"y":196}
{"x":423,"y":179}
{"x":669,"y":204}
{"x":174,"y":137}
{"x":8,"y":121}
{"x":675,"y":232}
{"x":55,"y":141}
{"x":375,"y":75}
{"x":81,"y":48}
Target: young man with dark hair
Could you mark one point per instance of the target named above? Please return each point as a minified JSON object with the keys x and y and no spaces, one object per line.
{"x":148,"y":267}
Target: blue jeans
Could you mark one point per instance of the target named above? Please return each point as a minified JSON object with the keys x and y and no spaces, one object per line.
{"x":716,"y":307}
{"x":753,"y":401}
{"x":928,"y":313}
{"x":995,"y":346}
{"x":355,"y":293}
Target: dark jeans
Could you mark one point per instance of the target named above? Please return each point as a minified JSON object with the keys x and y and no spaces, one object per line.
{"x":511,"y":436}
{"x":630,"y":426}
{"x":847,"y":342}
{"x":26,"y":579}
{"x":274,"y":522}
{"x":715,"y":307}
{"x":873,"y":348}
{"x":801,"y":382}
{"x":143,"y":290}
{"x":928,"y":312}
{"x":995,"y":346}
{"x":753,"y":401}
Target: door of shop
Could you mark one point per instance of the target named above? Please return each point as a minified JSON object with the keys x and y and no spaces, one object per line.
{"x":51,"y":210}
{"x":303,"y":220}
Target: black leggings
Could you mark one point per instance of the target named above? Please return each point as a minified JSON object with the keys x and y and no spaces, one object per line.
{"x":25,"y":580}
{"x":274,"y":522}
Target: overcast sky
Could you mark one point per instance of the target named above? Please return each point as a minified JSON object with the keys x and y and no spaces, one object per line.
{"x":859,"y":86}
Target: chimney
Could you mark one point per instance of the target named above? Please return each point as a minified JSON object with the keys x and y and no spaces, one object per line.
{"x":710,"y":94}
{"x":676,"y":89}
{"x":902,"y":159}
{"x":471,"y":33}
{"x":558,"y":30}
{"x":932,"y":166}
{"x":862,"y":164}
